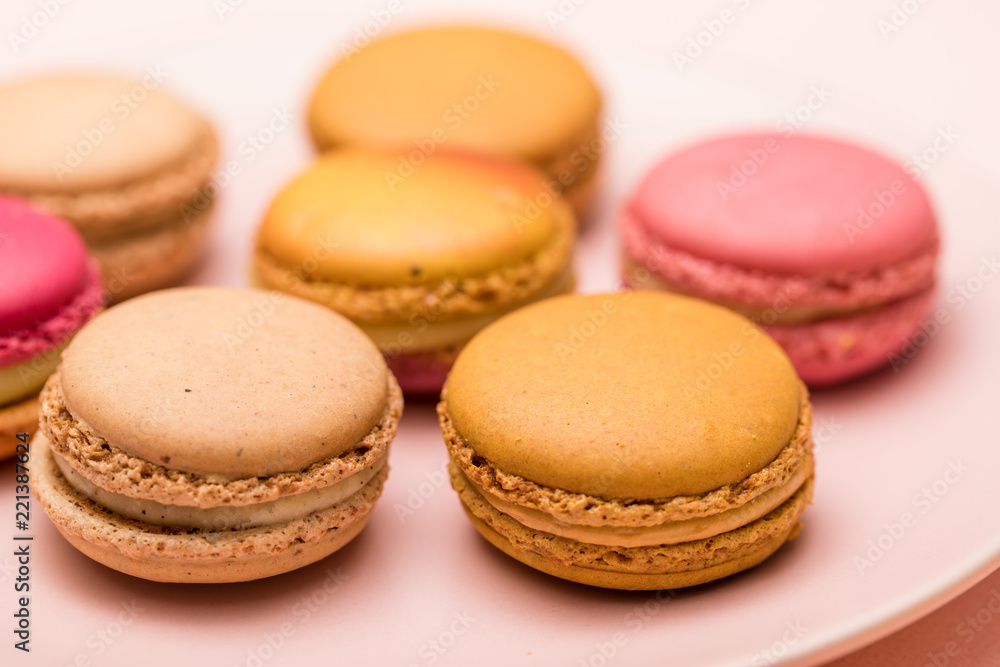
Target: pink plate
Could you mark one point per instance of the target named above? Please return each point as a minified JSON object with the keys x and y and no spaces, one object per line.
{"x":905,"y":513}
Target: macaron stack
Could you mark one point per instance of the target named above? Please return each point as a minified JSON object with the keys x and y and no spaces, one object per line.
{"x":178,"y":446}
{"x":421,"y":265}
{"x":463,"y":87}
{"x":606,"y":461}
{"x":123,"y":160}
{"x":50,"y":287}
{"x":830,"y":246}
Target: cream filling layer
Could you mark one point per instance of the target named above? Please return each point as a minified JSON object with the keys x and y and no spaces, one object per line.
{"x":19,"y":381}
{"x":673,"y":532}
{"x":226,"y":517}
{"x":422,"y":333}
{"x":759,"y":314}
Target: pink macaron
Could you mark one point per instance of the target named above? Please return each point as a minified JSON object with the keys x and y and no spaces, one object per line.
{"x":828,"y":245}
{"x":50,"y":288}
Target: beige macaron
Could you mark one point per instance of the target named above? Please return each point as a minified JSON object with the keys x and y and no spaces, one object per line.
{"x":214,"y":435}
{"x":635,"y":440}
{"x":123,"y":160}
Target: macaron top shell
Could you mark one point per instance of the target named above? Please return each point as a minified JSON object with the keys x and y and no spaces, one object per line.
{"x":470,"y":87}
{"x":804,"y":205}
{"x":227,"y":382}
{"x":69,"y":132}
{"x":43,"y":264}
{"x":632,"y":395}
{"x":456,"y":215}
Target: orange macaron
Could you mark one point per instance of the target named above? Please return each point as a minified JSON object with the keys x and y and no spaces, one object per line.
{"x":470,"y":88}
{"x":593,"y":437}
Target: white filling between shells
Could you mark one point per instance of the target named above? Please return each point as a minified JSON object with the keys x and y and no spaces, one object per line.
{"x":227,"y":517}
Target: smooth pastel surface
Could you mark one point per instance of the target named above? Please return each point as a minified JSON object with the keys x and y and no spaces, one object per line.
{"x":799,"y":212}
{"x":216,"y":380}
{"x":491,"y":90}
{"x":72,"y":131}
{"x":43,"y":264}
{"x":625,"y":387}
{"x":457,"y":215}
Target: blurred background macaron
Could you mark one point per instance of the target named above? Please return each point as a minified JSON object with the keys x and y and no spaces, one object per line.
{"x":421,"y":263}
{"x":830,"y":246}
{"x":212,"y":435}
{"x":123,"y":160}
{"x":50,"y":287}
{"x":472,"y":88}
{"x":636,"y":440}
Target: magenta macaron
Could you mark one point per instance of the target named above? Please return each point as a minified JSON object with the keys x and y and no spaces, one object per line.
{"x":830,"y":246}
{"x":50,"y":287}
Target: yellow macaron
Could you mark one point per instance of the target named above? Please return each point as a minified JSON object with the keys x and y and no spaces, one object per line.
{"x":420,"y":265}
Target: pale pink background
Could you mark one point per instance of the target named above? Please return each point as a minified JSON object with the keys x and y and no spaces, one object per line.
{"x":411,"y":580}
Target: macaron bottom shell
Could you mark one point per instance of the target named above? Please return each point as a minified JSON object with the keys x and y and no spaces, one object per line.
{"x":696,"y":562}
{"x":831,"y":351}
{"x":191,"y":555}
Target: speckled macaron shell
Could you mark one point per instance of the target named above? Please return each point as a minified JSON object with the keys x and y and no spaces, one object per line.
{"x":217,"y":381}
{"x":531,"y":99}
{"x":803,"y":205}
{"x":667,"y":566}
{"x":167,"y":554}
{"x":457,"y":215}
{"x":105,"y":131}
{"x":629,"y":395}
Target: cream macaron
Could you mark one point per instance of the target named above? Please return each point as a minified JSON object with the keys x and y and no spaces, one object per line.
{"x":423,"y":264}
{"x":123,"y":160}
{"x":600,"y":439}
{"x":214,"y":435}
